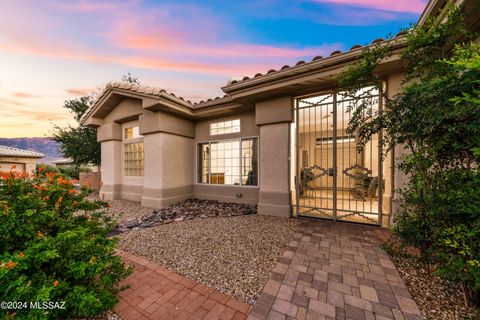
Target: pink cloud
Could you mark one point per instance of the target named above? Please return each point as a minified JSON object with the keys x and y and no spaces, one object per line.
{"x":25,"y":95}
{"x":80,"y":91}
{"x":149,"y":38}
{"x":407,"y":6}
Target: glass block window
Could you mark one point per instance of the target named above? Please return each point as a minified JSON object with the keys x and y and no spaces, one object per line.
{"x":134,"y":159}
{"x":225,"y":127}
{"x":229,"y":162}
{"x":131,"y":133}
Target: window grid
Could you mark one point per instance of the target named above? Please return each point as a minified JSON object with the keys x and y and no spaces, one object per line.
{"x":134,"y":159}
{"x":225,"y":127}
{"x":229,"y":162}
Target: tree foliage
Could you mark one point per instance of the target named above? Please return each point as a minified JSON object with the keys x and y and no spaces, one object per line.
{"x":436,"y":117}
{"x":78,"y":142}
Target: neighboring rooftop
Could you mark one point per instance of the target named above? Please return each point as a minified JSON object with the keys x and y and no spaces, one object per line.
{"x":62,"y":161}
{"x":14,"y":152}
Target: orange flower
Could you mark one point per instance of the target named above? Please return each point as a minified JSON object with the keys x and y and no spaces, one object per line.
{"x":55,"y":283}
{"x":39,"y":187}
{"x":47,"y":198}
{"x":109,"y":205}
{"x":40,"y":235}
{"x":10,"y":265}
{"x":73,"y":191}
{"x":14,"y":167}
{"x":21,"y":254}
{"x":59,"y":201}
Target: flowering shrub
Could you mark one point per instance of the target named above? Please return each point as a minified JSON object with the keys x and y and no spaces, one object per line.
{"x":54,"y":248}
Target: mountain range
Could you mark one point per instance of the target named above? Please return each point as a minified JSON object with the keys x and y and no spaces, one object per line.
{"x":43,"y":145}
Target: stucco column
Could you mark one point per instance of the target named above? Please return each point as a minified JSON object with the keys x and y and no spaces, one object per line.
{"x":110,"y":138}
{"x":168,"y":145}
{"x":394,"y":86}
{"x":274,"y":116}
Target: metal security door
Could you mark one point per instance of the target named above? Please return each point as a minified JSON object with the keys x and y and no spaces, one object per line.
{"x":334,"y":178}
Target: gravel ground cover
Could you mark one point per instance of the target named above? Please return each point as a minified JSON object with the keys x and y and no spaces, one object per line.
{"x":234,"y":255}
{"x":123,"y":210}
{"x":436,"y":298}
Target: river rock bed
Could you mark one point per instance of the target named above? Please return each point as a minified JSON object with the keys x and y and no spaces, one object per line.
{"x":186,"y":210}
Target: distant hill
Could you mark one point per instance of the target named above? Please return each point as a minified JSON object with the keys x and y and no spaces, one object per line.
{"x":43,"y":145}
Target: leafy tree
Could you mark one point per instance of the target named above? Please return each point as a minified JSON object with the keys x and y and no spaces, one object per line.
{"x":79,"y":142}
{"x":437,"y":118}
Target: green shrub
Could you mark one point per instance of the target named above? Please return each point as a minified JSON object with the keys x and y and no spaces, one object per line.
{"x":436,"y":118}
{"x":46,"y":168}
{"x":54,"y":247}
{"x":458,"y":249}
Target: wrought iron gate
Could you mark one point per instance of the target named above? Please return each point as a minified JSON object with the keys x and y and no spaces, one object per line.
{"x":334,"y":178}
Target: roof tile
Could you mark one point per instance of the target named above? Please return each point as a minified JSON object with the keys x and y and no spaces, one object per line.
{"x":15,"y":152}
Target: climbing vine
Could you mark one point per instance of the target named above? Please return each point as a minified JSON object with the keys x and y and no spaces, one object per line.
{"x":436,"y":117}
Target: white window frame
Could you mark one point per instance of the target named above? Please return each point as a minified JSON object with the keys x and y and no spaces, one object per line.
{"x":240,"y":175}
{"x":223,"y":121}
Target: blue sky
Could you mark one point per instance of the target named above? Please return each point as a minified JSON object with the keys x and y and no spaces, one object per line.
{"x":53,"y":50}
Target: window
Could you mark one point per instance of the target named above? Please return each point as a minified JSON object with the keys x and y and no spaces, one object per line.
{"x":229,"y":162}
{"x":134,"y":159}
{"x":225,"y":127}
{"x":131,"y":133}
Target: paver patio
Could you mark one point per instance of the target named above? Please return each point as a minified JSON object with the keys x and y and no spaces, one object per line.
{"x":159,"y":294}
{"x":335,"y":271}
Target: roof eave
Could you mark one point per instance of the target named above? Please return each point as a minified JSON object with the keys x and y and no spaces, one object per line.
{"x":335,"y":61}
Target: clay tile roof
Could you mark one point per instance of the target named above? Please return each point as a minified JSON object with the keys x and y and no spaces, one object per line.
{"x":378,"y":40}
{"x":301,"y":63}
{"x":6,"y":151}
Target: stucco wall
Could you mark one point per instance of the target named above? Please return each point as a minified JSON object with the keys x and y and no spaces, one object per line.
{"x":248,"y":128}
{"x":168,"y":169}
{"x":394,"y":83}
{"x":21,"y":164}
{"x":274,"y":117}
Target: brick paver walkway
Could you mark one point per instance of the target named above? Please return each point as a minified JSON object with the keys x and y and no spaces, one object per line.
{"x":335,"y":271}
{"x":158,"y":294}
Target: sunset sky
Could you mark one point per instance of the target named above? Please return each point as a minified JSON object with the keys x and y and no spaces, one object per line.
{"x":51,"y":51}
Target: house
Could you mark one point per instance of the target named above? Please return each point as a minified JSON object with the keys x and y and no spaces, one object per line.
{"x":276,"y":139}
{"x":67,"y":162}
{"x":20,"y":160}
{"x":63,"y":163}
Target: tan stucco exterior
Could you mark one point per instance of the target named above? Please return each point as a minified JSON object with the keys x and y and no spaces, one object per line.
{"x":18,"y":160}
{"x":172,"y":128}
{"x":171,"y":134}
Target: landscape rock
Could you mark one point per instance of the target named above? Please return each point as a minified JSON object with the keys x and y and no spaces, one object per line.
{"x":186,"y":210}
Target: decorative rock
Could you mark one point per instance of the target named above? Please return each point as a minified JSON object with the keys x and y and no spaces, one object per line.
{"x":187,"y":210}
